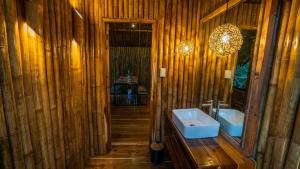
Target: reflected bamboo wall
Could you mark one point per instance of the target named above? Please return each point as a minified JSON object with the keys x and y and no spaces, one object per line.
{"x":211,"y":82}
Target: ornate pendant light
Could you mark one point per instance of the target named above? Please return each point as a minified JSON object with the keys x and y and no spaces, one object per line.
{"x":185,"y":48}
{"x":226,"y":39}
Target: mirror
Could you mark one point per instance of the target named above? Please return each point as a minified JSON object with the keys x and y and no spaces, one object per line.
{"x":232,"y":117}
{"x":242,"y":71}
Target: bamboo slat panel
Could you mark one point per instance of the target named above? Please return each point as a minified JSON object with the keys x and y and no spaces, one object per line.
{"x":137,"y":57}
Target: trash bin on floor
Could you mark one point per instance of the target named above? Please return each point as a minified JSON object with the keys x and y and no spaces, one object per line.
{"x":157,"y":152}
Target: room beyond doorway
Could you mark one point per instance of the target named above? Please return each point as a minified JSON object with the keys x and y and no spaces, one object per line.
{"x":130,"y":82}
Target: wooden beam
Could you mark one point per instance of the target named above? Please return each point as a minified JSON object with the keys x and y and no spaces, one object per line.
{"x":125,"y":20}
{"x":220,"y":10}
{"x":131,"y":30}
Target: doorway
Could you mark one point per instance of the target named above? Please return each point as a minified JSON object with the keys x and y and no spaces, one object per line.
{"x":129,"y":57}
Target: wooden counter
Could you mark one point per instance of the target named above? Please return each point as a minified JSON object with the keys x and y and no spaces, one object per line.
{"x":202,"y":153}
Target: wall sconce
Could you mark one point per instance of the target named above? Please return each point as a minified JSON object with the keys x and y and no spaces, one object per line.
{"x":77,"y":25}
{"x":185,"y":48}
{"x":78,"y":13}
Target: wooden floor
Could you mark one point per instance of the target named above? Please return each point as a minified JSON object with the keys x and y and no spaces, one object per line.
{"x":130,"y":141}
{"x":130,"y":125}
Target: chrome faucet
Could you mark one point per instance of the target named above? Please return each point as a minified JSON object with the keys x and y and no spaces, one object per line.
{"x":210,"y":105}
{"x":219,"y":104}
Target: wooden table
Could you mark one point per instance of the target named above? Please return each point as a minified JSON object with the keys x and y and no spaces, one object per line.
{"x":202,"y":153}
{"x":125,"y":92}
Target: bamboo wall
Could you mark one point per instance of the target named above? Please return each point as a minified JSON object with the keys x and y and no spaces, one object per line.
{"x":53,"y":109}
{"x":278,"y":140}
{"x":137,"y":57}
{"x":50,"y":118}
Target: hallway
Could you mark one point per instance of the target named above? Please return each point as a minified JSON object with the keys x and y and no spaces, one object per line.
{"x":130,"y":141}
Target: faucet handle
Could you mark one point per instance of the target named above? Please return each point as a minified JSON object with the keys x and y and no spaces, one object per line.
{"x":209,"y":101}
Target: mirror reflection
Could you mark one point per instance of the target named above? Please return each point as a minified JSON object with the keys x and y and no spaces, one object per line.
{"x":232,"y":117}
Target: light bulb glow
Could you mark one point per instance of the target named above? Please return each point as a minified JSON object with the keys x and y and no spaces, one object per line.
{"x":133,"y":25}
{"x":185,"y":48}
{"x":225,"y":38}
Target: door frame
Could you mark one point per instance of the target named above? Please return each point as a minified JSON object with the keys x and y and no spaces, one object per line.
{"x":106,"y":69}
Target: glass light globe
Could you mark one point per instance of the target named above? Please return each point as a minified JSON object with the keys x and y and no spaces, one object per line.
{"x":185,"y":48}
{"x":226,"y":39}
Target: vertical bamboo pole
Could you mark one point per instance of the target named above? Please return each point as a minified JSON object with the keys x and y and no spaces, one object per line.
{"x":177,"y":55}
{"x":99,"y":109}
{"x":146,"y":9}
{"x":193,"y":58}
{"x":126,"y":10}
{"x":155,"y":79}
{"x":55,"y":12}
{"x":43,"y":85}
{"x":196,"y":77}
{"x":130,"y":8}
{"x":187,"y":57}
{"x":121,"y":8}
{"x":289,"y":102}
{"x":166,"y":55}
{"x":9,"y":106}
{"x":203,"y":39}
{"x":262,"y":143}
{"x":212,"y":75}
{"x":141,"y":9}
{"x":135,"y":9}
{"x":223,"y":67}
{"x":192,"y":30}
{"x":172,"y":55}
{"x":88,"y":81}
{"x":281,"y":78}
{"x":208,"y":64}
{"x":5,"y":150}
{"x":182,"y":59}
{"x":28,"y":95}
{"x":37,"y":99}
{"x":51,"y":86}
{"x":65,"y":64}
{"x":93,"y":77}
{"x":114,"y":8}
{"x":110,"y":8}
{"x":151,"y":8}
{"x":293,"y":160}
{"x":13,"y":40}
{"x":161,"y":22}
